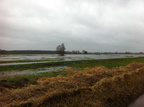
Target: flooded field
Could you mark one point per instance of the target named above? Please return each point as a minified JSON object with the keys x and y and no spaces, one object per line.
{"x":41,"y":58}
{"x":41,"y":70}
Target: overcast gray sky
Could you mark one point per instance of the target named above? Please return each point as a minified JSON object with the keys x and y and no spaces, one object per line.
{"x":92,"y":25}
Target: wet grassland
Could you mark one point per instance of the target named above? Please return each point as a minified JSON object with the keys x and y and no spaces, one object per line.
{"x":80,"y":64}
{"x":22,"y":80}
{"x":101,"y":83}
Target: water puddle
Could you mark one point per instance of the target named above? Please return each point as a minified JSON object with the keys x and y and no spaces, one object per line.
{"x":14,"y":73}
{"x":19,"y":63}
{"x":138,"y":103}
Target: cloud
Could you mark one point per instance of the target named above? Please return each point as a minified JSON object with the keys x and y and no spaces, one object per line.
{"x":93,"y":25}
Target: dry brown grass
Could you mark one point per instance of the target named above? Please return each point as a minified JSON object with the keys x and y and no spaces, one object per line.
{"x":96,"y":87}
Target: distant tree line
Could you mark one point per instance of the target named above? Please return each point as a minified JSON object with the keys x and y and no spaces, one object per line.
{"x":78,"y":52}
{"x":2,"y":51}
{"x":26,"y":52}
{"x":60,"y":49}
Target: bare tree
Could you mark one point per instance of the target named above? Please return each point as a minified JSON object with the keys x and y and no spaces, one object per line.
{"x":61,"y":49}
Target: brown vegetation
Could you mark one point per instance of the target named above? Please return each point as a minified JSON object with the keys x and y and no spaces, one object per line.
{"x":94,"y":87}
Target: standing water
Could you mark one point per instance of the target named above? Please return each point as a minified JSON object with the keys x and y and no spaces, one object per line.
{"x":42,"y":58}
{"x":13,"y":73}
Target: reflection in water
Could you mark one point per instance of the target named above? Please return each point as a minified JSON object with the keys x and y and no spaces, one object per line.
{"x":138,"y":103}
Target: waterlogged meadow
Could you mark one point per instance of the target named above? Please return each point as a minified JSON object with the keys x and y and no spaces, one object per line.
{"x":89,"y":82}
{"x":42,"y":58}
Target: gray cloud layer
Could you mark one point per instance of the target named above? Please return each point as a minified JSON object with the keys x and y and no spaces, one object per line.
{"x":93,"y":25}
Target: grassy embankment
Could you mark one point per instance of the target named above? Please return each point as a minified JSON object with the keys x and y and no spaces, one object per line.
{"x":23,"y":80}
{"x":91,"y":87}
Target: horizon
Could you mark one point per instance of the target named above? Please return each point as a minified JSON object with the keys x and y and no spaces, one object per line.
{"x":80,"y":51}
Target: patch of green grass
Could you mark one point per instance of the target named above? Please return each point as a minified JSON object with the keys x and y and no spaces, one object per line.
{"x":109,"y":63}
{"x":20,"y":81}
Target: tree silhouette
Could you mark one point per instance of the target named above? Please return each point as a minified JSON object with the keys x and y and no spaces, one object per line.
{"x":61,"y":49}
